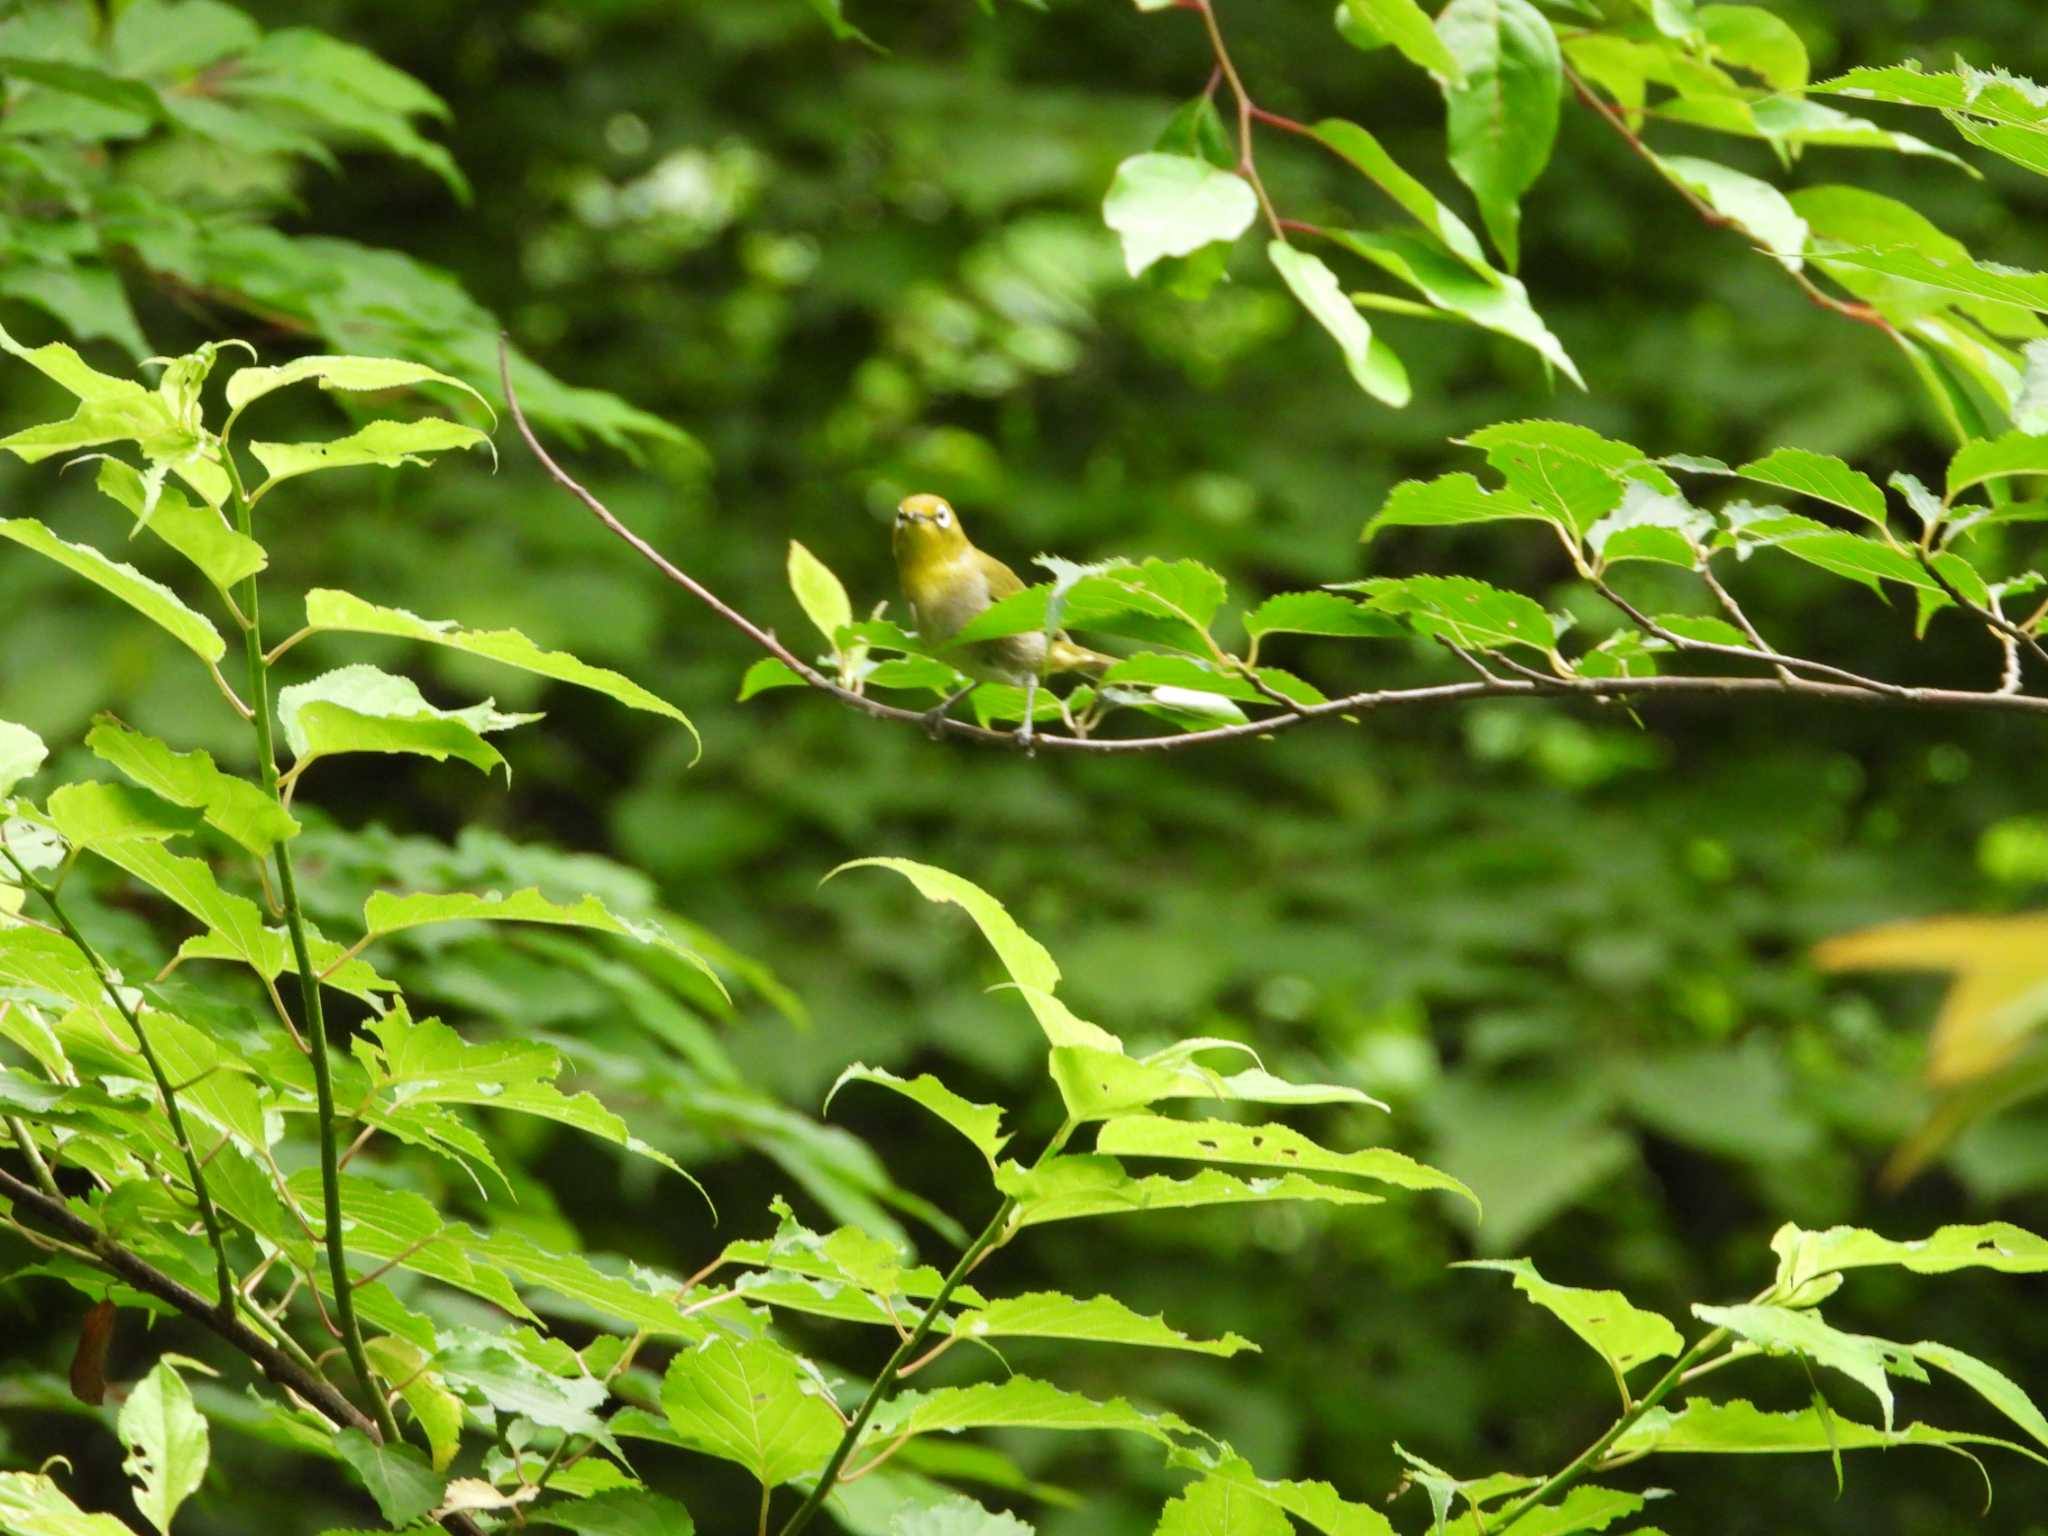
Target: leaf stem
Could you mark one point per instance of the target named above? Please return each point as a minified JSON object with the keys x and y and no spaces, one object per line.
{"x":1247,"y":163}
{"x":317,"y":1042}
{"x":223,"y":1271}
{"x":990,"y":1238}
{"x":1559,"y":1482}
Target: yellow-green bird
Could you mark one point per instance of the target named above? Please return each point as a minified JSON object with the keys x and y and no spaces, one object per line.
{"x":948,"y":582}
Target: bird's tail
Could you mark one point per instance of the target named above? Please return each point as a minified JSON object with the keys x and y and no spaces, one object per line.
{"x":1066,"y":656}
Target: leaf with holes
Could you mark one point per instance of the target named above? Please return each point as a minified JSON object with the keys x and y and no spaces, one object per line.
{"x":1621,"y":1333}
{"x":1266,"y":1146}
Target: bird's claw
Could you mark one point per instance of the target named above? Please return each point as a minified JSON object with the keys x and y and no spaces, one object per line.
{"x":935,"y":720}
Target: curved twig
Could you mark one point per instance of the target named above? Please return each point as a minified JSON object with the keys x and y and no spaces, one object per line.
{"x":1830,"y":684}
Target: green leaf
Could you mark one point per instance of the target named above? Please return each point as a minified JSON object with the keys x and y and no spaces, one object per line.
{"x":750,"y":1401}
{"x":1965,"y":279}
{"x":1095,"y":1083}
{"x":1738,"y":1427}
{"x":1192,"y":673}
{"x":362,"y":709}
{"x":1649,"y":525}
{"x":1994,"y":96}
{"x":384,"y":913}
{"x":1989,"y":1383}
{"x":769,"y":672}
{"x":1760,"y":41}
{"x":1373,"y":366}
{"x":33,"y":1505}
{"x":1783,"y":1331}
{"x":1822,"y":477}
{"x":438,"y":1411}
{"x":1018,"y":1402}
{"x":426,"y":1062}
{"x":1865,"y":560}
{"x":166,"y":1442}
{"x":1076,"y":1185}
{"x":1489,"y":299}
{"x":330,"y":610}
{"x":833,"y":14}
{"x":1173,"y":205}
{"x":1216,"y":1507}
{"x":617,"y":1512}
{"x":981,"y":1124}
{"x":1407,"y":26}
{"x":1621,"y":1333}
{"x":386,"y":443}
{"x":1028,"y":962}
{"x":1464,"y":611}
{"x":1978,"y":463}
{"x":1371,"y":160}
{"x":397,"y":1476}
{"x":848,"y":1256}
{"x":152,"y":599}
{"x":195,"y":530}
{"x":954,"y":1515}
{"x":1315,"y":1504}
{"x":819,"y":593}
{"x":1996,"y":1245}
{"x":1317,"y":613}
{"x":21,"y":754}
{"x":347,"y":373}
{"x":1099,"y":1320}
{"x":1268,"y":1146}
{"x":1451,"y":500}
{"x":1689,"y":626}
{"x":101,"y":817}
{"x":1503,"y":118}
{"x":1756,"y":207}
{"x":232,"y":805}
{"x":1573,"y":475}
{"x":525,"y":1374}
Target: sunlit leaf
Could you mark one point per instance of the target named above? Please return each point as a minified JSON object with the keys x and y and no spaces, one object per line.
{"x":361,"y":708}
{"x":152,"y":599}
{"x":1373,"y":366}
{"x":981,"y":1124}
{"x":1504,"y":114}
{"x":749,"y":1401}
{"x":385,"y":443}
{"x":1621,"y":1333}
{"x":233,"y":805}
{"x":1269,"y":1146}
{"x":1079,"y":1185}
{"x":1173,"y":205}
{"x":167,"y":1444}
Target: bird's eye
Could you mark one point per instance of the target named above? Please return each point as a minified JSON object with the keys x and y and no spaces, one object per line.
{"x":943,"y":516}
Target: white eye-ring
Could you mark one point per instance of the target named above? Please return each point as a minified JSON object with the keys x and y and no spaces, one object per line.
{"x":943,"y":516}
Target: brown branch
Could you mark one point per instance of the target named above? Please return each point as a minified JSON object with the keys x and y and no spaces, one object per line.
{"x":146,"y":1277}
{"x":1712,"y":216}
{"x":1827,"y":684}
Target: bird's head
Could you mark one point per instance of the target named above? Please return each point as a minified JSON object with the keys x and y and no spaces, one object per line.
{"x":927,"y":528}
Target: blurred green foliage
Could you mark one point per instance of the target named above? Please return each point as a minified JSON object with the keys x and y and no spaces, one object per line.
{"x":1566,"y":944}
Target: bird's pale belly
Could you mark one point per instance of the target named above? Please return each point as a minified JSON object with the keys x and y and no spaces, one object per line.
{"x":952,"y":597}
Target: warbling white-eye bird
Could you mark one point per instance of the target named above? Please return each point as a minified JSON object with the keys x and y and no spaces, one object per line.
{"x":948,"y":582}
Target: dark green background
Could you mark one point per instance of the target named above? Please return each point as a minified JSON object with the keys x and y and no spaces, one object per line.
{"x":1566,"y":945}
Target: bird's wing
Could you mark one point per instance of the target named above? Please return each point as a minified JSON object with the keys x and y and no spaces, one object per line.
{"x":1001,"y":580}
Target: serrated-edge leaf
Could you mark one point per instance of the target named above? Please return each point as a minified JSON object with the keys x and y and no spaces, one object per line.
{"x":1615,"y":1328}
{"x":1267,"y":1146}
{"x":152,"y":599}
{"x":981,"y":1124}
{"x":331,"y":610}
